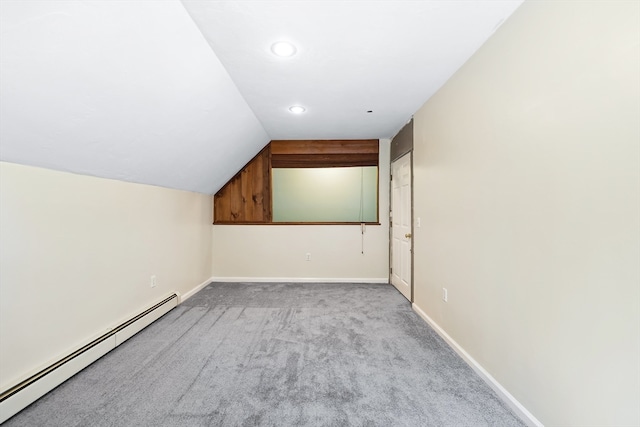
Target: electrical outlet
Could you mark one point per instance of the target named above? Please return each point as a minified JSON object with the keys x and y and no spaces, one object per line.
{"x":445,"y":295}
{"x":153,"y":281}
{"x":308,"y":256}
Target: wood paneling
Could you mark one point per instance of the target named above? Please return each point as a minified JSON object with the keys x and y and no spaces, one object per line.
{"x":323,"y":160}
{"x":324,"y":154}
{"x":402,"y":143}
{"x":246,"y":198}
{"x":334,"y":146}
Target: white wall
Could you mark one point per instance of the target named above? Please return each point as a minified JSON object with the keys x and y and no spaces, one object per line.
{"x":271,"y":252}
{"x":527,"y":183}
{"x":76,"y":256}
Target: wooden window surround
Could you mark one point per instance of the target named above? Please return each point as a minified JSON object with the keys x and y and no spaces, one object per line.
{"x":247,"y":199}
{"x":324,"y":154}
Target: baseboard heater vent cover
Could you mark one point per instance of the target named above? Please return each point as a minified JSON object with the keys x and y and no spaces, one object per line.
{"x":28,"y":391}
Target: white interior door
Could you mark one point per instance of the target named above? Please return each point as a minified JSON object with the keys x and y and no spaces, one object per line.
{"x":401,"y":225}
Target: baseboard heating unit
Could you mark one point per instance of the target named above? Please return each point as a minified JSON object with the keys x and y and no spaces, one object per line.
{"x":28,"y":391}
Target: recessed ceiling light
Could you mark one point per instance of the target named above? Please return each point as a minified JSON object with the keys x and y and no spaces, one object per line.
{"x":297,"y":109}
{"x":283,"y":49}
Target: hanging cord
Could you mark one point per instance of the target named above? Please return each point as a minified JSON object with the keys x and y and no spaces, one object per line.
{"x":361,"y":212}
{"x":362,"y":224}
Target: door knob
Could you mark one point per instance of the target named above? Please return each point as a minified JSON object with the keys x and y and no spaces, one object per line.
{"x":408,"y":235}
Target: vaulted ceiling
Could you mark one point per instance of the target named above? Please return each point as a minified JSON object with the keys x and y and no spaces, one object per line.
{"x":182,"y":94}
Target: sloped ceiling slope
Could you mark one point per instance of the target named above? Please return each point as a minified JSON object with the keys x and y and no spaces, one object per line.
{"x":385,"y":56}
{"x":128,"y":90}
{"x":183,"y":94}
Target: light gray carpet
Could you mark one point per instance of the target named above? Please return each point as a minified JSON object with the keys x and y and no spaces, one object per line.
{"x":239,"y":354}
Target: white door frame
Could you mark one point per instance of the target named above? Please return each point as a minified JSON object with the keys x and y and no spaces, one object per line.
{"x":401,"y":231}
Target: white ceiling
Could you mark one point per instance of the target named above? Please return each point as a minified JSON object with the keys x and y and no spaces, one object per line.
{"x":353,"y":56}
{"x":131,"y":90}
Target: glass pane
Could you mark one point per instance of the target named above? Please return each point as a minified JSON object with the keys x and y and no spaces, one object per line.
{"x":325,"y":194}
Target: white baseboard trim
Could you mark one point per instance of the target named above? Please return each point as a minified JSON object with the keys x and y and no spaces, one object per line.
{"x":502,"y":392}
{"x":195,"y":290}
{"x":20,"y":400}
{"x":384,"y":280}
{"x":27,"y":391}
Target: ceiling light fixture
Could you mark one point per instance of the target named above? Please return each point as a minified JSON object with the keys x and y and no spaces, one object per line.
{"x":283,"y":49}
{"x":297,"y":109}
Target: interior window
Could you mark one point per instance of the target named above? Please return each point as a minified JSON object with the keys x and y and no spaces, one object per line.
{"x":304,"y":182}
{"x":337,"y":194}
